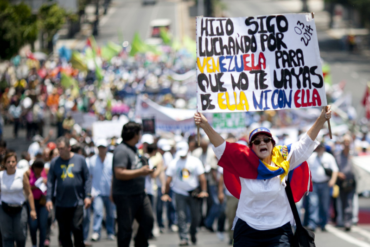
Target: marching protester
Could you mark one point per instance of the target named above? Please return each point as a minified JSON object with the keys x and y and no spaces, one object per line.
{"x":189,"y":184}
{"x":70,"y":175}
{"x":101,"y":171}
{"x":164,"y":149}
{"x":15,"y":191}
{"x":128,"y":189}
{"x":324,"y":172}
{"x":257,"y":222}
{"x":347,"y":184}
{"x":38,"y":180}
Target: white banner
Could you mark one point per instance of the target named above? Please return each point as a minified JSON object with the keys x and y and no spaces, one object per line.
{"x":258,"y":63}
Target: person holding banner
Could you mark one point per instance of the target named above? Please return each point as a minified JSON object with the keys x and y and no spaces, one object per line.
{"x":257,"y":175}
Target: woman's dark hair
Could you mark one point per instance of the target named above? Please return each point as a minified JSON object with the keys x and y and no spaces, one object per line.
{"x":38,"y":164}
{"x":7,"y":156}
{"x":151,"y":148}
{"x":129,"y":130}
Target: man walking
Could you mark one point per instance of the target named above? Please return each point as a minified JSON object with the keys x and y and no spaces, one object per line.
{"x":101,"y":171}
{"x":189,"y":184}
{"x":73,"y":192}
{"x":128,"y":190}
{"x":318,"y":201}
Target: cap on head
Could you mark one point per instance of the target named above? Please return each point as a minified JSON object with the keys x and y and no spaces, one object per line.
{"x":164,"y":145}
{"x":147,"y":138}
{"x":182,"y":149}
{"x":102,"y":143}
{"x":257,"y":131}
{"x":37,"y":138}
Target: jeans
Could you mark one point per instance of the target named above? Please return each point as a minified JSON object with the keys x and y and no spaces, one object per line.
{"x":171,"y":213}
{"x":70,"y":220}
{"x":41,"y":223}
{"x":86,"y":223}
{"x":245,"y":236}
{"x":215,"y":208}
{"x":14,"y":227}
{"x":130,"y":208}
{"x":182,"y":203}
{"x":317,"y":206}
{"x":98,"y":204}
{"x":345,"y":208}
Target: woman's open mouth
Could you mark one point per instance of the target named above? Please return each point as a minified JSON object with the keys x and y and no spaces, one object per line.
{"x":262,"y":150}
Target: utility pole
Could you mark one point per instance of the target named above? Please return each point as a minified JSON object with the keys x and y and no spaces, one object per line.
{"x":96,"y":22}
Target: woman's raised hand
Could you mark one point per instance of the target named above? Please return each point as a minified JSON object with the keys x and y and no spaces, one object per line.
{"x":326,"y":113}
{"x":200,"y":120}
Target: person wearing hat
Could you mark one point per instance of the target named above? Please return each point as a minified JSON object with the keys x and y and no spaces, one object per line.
{"x":257,"y":175}
{"x":189,"y":184}
{"x":318,"y":201}
{"x":101,"y":172}
{"x":164,"y":149}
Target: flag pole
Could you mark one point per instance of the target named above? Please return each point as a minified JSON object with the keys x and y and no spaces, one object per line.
{"x":331,"y":137}
{"x":198,"y":134}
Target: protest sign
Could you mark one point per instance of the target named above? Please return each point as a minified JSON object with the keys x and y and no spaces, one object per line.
{"x":230,"y":122}
{"x":258,"y":63}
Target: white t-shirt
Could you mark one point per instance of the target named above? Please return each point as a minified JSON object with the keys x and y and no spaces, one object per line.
{"x":220,"y":170}
{"x":318,"y":172}
{"x":12,"y":187}
{"x":263,"y":204}
{"x":167,"y":159}
{"x":184,"y":173}
{"x":33,"y":149}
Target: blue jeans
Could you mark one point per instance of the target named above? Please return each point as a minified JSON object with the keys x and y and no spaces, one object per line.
{"x":14,"y":227}
{"x":215,"y":210}
{"x":41,"y":223}
{"x":86,"y":223}
{"x":98,"y":204}
{"x":317,"y":206}
{"x":171,"y":213}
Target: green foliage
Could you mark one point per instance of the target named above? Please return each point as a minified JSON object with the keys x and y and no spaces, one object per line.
{"x":52,"y":19}
{"x":18,"y":26}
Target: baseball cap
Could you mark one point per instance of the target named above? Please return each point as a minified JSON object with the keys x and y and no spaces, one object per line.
{"x":182,"y":148}
{"x":164,"y":145}
{"x":102,"y":143}
{"x":147,"y":138}
{"x":37,"y":138}
{"x":51,"y":145}
{"x":260,"y":130}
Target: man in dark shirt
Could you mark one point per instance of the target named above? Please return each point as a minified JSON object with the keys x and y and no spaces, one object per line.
{"x":128,"y":190}
{"x":73,"y":192}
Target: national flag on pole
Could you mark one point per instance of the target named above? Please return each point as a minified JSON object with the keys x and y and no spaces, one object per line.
{"x":366,"y":101}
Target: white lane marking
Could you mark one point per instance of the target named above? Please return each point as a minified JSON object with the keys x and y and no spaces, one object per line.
{"x":361,"y":231}
{"x":346,"y":237}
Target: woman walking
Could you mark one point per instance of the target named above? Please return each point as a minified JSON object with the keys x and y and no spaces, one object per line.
{"x":264,"y":216}
{"x":14,"y":186}
{"x":38,"y":179}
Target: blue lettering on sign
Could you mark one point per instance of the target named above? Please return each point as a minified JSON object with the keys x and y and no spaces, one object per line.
{"x":258,"y":106}
{"x":282,"y":100}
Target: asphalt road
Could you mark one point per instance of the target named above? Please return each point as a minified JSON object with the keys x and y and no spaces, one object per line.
{"x":129,"y":16}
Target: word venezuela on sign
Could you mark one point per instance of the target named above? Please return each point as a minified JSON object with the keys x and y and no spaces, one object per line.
{"x":258,"y":63}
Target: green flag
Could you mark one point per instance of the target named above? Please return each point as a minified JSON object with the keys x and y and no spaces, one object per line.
{"x":137,"y":45}
{"x":98,"y":70}
{"x":110,"y":50}
{"x":77,"y":61}
{"x":166,"y":37}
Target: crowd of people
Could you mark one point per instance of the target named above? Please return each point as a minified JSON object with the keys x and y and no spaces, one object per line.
{"x":139,"y":177}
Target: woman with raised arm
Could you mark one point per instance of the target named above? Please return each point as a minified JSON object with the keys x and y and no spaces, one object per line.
{"x":257,"y":176}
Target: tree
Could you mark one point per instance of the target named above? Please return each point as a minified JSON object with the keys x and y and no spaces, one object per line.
{"x":52,"y":18}
{"x":18,"y":27}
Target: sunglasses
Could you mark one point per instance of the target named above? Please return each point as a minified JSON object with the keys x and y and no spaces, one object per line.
{"x":265,"y":140}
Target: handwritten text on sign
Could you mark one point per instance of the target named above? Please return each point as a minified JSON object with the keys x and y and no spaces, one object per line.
{"x":258,"y":63}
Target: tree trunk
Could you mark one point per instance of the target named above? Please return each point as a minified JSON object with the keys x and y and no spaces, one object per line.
{"x":305,"y":6}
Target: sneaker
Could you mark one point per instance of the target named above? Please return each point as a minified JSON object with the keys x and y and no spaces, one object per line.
{"x":111,"y":237}
{"x":209,"y":228}
{"x":95,"y":237}
{"x":87,"y":244}
{"x":174,"y":228}
{"x":230,"y":242}
{"x":184,"y":242}
{"x":193,"y":239}
{"x":221,"y":236}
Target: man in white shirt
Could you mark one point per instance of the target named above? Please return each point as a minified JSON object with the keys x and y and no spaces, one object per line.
{"x":101,"y":172}
{"x":318,"y":201}
{"x":187,"y":174}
